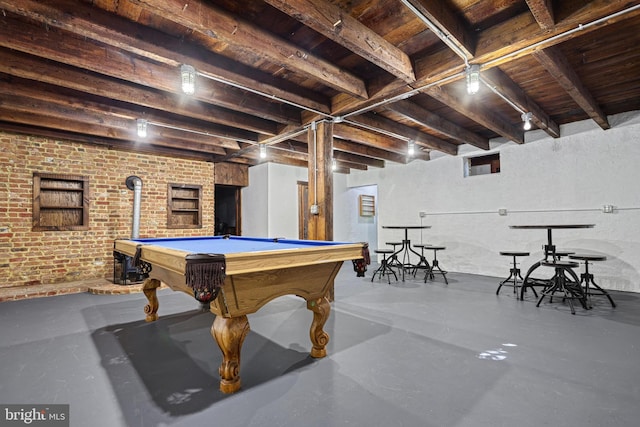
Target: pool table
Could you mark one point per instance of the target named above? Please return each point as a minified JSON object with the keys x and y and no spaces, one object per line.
{"x":236,"y":276}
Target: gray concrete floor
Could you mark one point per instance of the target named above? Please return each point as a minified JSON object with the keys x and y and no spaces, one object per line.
{"x":405,"y":354}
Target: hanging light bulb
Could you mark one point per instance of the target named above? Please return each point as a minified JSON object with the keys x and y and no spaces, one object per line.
{"x":334,"y":164}
{"x":141,"y":125}
{"x":263,"y":151}
{"x":411,"y":148}
{"x":188,"y":79}
{"x":526,"y":118}
{"x":473,"y":79}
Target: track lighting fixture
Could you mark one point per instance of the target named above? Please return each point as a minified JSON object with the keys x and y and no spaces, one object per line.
{"x":526,"y":118}
{"x":473,"y":79}
{"x":188,"y":79}
{"x":141,"y":125}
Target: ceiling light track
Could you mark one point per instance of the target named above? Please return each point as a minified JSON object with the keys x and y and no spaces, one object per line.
{"x":495,"y":90}
{"x":263,"y":94}
{"x":374,"y":129}
{"x":437,"y":31}
{"x":269,"y":141}
{"x":172,"y":127}
{"x":403,"y":96}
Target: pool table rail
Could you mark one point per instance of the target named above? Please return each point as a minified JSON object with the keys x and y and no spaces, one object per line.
{"x":245,"y":262}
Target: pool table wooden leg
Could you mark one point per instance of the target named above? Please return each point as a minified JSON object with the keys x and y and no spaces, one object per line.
{"x":149,"y":288}
{"x":229,"y":333}
{"x":319,"y":338}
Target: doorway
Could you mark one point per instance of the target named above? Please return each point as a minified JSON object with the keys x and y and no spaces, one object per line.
{"x":303,"y":210}
{"x":227,"y":210}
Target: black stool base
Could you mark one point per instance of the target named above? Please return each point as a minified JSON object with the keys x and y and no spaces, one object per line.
{"x":514,"y":273}
{"x":435,"y":266}
{"x":561,"y":283}
{"x":385,"y":268}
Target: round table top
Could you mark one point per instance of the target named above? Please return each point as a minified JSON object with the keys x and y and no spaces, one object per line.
{"x":514,"y":253}
{"x":554,"y":226}
{"x":585,"y":257}
{"x":402,"y":227}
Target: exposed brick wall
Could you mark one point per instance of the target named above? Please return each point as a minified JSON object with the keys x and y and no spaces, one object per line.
{"x":28,"y":257}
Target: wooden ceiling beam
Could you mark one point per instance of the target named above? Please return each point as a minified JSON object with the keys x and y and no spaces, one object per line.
{"x":298,"y":150}
{"x":557,"y":65}
{"x":396,"y":129}
{"x":299,"y":143}
{"x":61,"y":47}
{"x":347,"y":31}
{"x":284,"y":152}
{"x":419,"y":155}
{"x":372,"y":139}
{"x":343,"y":165}
{"x":212,"y":22}
{"x":53,"y":120}
{"x":502,"y":43}
{"x":477,"y":113}
{"x":51,"y":98}
{"x":452,"y":29}
{"x":542,"y":11}
{"x":88,"y":22}
{"x":521,"y":35}
{"x":507,"y":87}
{"x":39,"y":96}
{"x":355,"y":158}
{"x":294,"y":145}
{"x":277,"y":156}
{"x":368,"y":152}
{"x":29,"y":67}
{"x":123,"y":145}
{"x":439,"y":124}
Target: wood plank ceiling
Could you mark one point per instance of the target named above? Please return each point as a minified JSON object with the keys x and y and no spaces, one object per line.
{"x":386,"y":72}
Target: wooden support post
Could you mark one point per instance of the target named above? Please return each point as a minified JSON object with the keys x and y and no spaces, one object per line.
{"x":320,"y":141}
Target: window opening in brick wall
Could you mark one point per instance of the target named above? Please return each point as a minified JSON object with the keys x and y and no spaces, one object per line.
{"x":482,"y":165}
{"x":184,"y":206}
{"x":60,"y":202}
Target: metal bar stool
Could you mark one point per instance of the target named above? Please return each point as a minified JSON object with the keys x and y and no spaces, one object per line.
{"x":560,"y":283}
{"x":531,"y":282}
{"x":586,"y":278}
{"x":394,"y":261}
{"x":435,"y":265}
{"x":385,"y":268}
{"x":423,"y":263}
{"x":514,"y":273}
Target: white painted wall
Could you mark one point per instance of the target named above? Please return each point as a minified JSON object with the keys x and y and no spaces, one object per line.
{"x":348,"y":225}
{"x":546,"y":180}
{"x":255,"y":203}
{"x":270,"y":202}
{"x":270,"y":205}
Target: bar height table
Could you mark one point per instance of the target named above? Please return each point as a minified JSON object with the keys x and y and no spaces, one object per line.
{"x":549,"y":248}
{"x":406,"y":248}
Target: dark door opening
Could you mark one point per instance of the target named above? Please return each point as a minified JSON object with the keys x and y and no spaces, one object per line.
{"x":227,"y":210}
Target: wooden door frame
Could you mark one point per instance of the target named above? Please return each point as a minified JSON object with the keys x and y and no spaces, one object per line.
{"x":303,"y":209}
